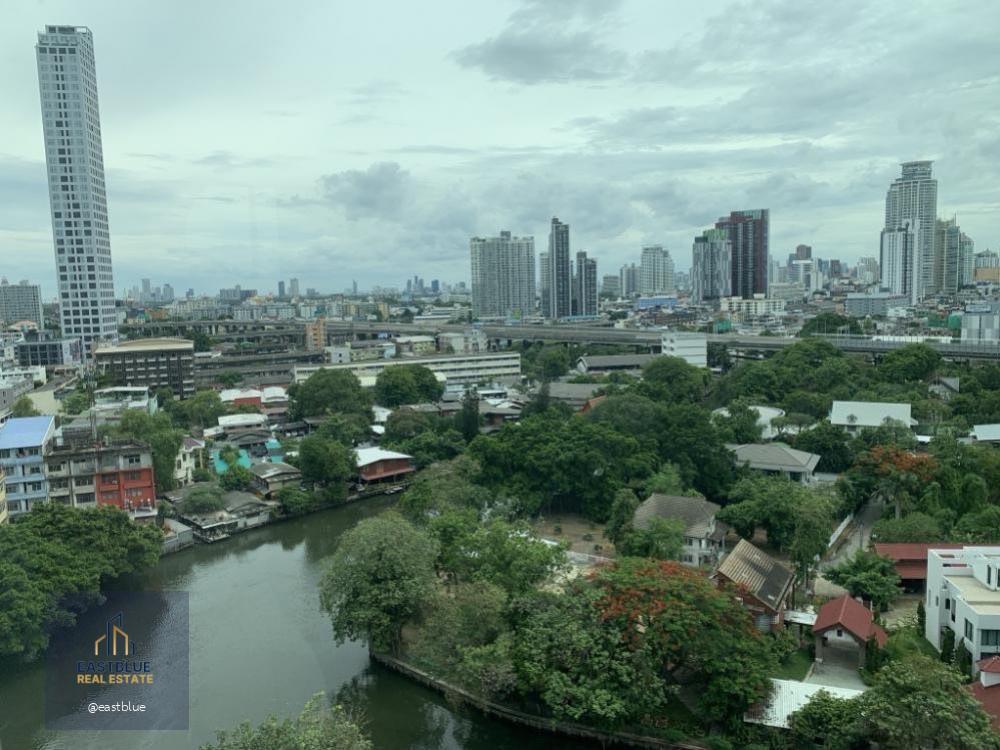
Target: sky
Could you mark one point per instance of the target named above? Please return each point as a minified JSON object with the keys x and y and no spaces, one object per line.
{"x":247,"y":142}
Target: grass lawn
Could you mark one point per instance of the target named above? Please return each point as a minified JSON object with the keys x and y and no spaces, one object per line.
{"x":907,"y":641}
{"x":794,"y":667}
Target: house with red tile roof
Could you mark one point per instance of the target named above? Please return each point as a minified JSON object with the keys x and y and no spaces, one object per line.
{"x":986,"y":689}
{"x":845,"y":625}
{"x":910,"y":560}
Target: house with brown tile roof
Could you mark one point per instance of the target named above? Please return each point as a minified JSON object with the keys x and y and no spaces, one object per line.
{"x":846,"y":625}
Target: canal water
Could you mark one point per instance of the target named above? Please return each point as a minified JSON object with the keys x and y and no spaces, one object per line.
{"x":259,"y":644}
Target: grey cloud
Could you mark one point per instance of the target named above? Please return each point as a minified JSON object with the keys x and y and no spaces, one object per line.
{"x":228,"y":160}
{"x":539,"y":56}
{"x":381,"y":191}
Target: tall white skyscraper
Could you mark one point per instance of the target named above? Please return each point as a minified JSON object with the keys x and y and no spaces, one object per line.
{"x":896,"y":260}
{"x":911,"y":201}
{"x":656,"y":271}
{"x":503,"y":276}
{"x":67,"y":82}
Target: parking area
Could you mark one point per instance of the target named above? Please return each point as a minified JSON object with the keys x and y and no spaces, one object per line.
{"x":839,"y":668}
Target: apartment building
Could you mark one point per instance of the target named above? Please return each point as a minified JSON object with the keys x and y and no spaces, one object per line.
{"x":155,"y":363}
{"x":86,"y":474}
{"x":23,"y":444}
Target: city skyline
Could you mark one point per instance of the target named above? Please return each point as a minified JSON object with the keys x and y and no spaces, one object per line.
{"x":624,"y":152}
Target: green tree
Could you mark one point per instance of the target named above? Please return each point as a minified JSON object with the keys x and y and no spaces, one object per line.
{"x":826,"y":722}
{"x":869,"y":576}
{"x":739,"y":423}
{"x":921,"y":616}
{"x":672,"y":380}
{"x":771,"y":502}
{"x":200,"y":500}
{"x":24,"y":407}
{"x":203,"y":409}
{"x":831,"y":443}
{"x":328,"y":392}
{"x":346,"y":429}
{"x":76,"y":402}
{"x":620,"y":519}
{"x":56,"y":559}
{"x":230,"y":379}
{"x":666,"y":481}
{"x":316,"y":728}
{"x":553,"y":362}
{"x":661,"y":539}
{"x":508,"y":555}
{"x":813,"y":524}
{"x":830,"y":323}
{"x":963,"y":659}
{"x":237,"y":478}
{"x":909,"y":363}
{"x":947,"y":654}
{"x":919,"y":702}
{"x":444,"y":486}
{"x":406,"y":384}
{"x":914,"y":527}
{"x":381,"y":573}
{"x":325,"y":462}
{"x":295,"y":501}
{"x":467,"y":421}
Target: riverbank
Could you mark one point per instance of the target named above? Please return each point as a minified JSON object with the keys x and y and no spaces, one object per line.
{"x":510,"y":714}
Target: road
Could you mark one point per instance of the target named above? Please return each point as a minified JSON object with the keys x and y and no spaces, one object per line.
{"x":858,"y":535}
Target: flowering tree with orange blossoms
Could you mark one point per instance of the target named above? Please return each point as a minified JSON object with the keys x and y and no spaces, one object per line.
{"x":697,"y":633}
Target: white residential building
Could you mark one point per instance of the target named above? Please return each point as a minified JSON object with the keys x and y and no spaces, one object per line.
{"x":67,"y":81}
{"x":691,"y":347}
{"x":963,"y":594}
{"x":856,"y":415}
{"x":20,"y":302}
{"x":503,"y":276}
{"x":656,"y":271}
{"x":759,"y":305}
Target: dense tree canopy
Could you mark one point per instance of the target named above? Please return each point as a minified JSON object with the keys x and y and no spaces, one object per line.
{"x":325,"y":462}
{"x":328,"y":392}
{"x":406,"y":384}
{"x":869,"y":576}
{"x":572,"y":465}
{"x":381,"y":573}
{"x":158,"y":432}
{"x":55,"y":560}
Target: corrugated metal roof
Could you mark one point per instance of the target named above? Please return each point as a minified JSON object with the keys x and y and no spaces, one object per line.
{"x":787,"y":697}
{"x":25,"y":432}
{"x":759,"y":574}
{"x":775,"y":457}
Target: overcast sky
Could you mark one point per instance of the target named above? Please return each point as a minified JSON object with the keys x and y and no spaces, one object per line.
{"x":252,"y":141}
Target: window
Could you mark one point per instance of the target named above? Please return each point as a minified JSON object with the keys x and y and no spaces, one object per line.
{"x":968,"y":631}
{"x":990,"y":638}
{"x":989,"y":576}
{"x":947,"y":603}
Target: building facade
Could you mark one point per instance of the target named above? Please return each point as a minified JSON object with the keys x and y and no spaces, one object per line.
{"x":585,"y":286}
{"x":963,"y":595}
{"x":67,"y":81}
{"x":691,"y":347}
{"x":558,"y":275}
{"x":656,"y":271}
{"x":911,"y":203}
{"x":711,"y":266}
{"x":155,"y":363}
{"x":897,"y":250}
{"x":629,"y":280}
{"x":108,"y":473}
{"x":748,"y":237}
{"x":503,"y":276}
{"x":611,"y":286}
{"x":454,"y":369}
{"x":23,"y":444}
{"x":22,"y":301}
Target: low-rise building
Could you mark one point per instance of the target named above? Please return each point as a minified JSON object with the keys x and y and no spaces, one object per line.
{"x":776,"y":459}
{"x":762,"y":583}
{"x":11,"y":389}
{"x":270,"y":477}
{"x":853,"y":416}
{"x":765,"y":419}
{"x":603,"y":364}
{"x":843,"y":628}
{"x":89,"y":474}
{"x":861,"y":305}
{"x":155,"y":363}
{"x":189,"y":457}
{"x":378,"y":465}
{"x":23,"y":444}
{"x":4,"y":515}
{"x":44,"y":350}
{"x":963,"y":595}
{"x":986,"y":689}
{"x":704,"y":536}
{"x":454,"y":369}
{"x":986,"y":433}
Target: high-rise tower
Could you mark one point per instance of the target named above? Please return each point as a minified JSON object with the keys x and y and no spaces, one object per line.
{"x":67,"y":82}
{"x":559,"y":274}
{"x":748,"y":235}
{"x":911,"y":202}
{"x":503,"y":276}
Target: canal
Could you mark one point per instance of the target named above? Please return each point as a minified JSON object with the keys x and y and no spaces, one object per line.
{"x":260,"y":644}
